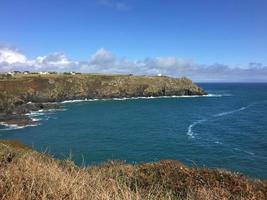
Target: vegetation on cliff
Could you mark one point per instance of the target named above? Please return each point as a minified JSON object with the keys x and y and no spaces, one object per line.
{"x":44,"y":91}
{"x":26,"y":174}
{"x":20,"y":89}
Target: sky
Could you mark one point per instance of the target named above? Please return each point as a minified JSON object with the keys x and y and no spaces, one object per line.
{"x":206,"y":40}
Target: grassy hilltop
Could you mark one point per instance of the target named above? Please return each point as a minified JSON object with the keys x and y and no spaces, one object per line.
{"x":26,"y":174}
{"x":20,"y":89}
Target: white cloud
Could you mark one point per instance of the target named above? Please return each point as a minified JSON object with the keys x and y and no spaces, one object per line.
{"x":102,"y":57}
{"x":54,"y":62}
{"x":12,"y":59}
{"x":103,"y":61}
{"x":11,"y":56}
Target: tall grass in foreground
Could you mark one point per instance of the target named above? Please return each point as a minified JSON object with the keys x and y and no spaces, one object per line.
{"x":26,"y":174}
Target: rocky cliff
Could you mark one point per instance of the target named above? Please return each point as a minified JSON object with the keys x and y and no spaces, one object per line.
{"x":18,"y":90}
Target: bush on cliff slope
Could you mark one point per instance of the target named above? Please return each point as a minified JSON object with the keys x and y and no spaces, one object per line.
{"x":26,"y":174}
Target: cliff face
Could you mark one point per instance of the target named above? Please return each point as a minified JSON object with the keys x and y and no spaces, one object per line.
{"x":18,"y":90}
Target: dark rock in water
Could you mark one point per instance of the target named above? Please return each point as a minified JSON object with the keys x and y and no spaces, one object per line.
{"x":15,"y":119}
{"x":26,"y":108}
{"x":18,"y":116}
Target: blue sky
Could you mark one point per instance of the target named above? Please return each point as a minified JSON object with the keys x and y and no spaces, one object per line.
{"x":188,"y":33}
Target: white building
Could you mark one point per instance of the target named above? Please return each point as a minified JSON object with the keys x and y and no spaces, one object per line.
{"x":43,"y":73}
{"x":11,"y":73}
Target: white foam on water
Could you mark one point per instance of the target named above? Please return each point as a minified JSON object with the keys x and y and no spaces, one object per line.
{"x":134,"y":98}
{"x":230,"y":112}
{"x":35,"y":116}
{"x":43,"y":112}
{"x":218,"y":95}
{"x":35,"y":113}
{"x":78,"y":100}
{"x":55,"y":110}
{"x":247,"y":152}
{"x":14,"y":126}
{"x":35,"y":119}
{"x":190,"y":132}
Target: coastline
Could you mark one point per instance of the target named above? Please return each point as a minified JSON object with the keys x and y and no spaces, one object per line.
{"x":18,"y":121}
{"x":23,"y":94}
{"x":24,"y":119}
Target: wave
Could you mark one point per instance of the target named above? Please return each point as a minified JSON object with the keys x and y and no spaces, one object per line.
{"x":151,"y":97}
{"x":35,"y":119}
{"x":230,"y":112}
{"x":217,"y":95}
{"x":35,"y":116}
{"x":239,"y":109}
{"x":43,"y":112}
{"x":14,"y":126}
{"x":244,"y":151}
{"x":79,"y":100}
{"x":218,"y":142}
{"x":190,"y":131}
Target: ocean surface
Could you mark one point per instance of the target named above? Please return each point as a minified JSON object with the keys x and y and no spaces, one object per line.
{"x":227,"y":129}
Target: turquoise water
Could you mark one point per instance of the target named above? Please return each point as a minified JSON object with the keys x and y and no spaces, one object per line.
{"x":225,"y":130}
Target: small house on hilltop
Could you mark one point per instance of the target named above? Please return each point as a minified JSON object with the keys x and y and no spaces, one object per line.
{"x":10,"y":73}
{"x":43,"y":73}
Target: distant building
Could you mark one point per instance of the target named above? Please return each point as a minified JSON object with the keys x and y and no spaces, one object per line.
{"x":26,"y":72}
{"x":43,"y":73}
{"x":159,"y":75}
{"x":11,"y":73}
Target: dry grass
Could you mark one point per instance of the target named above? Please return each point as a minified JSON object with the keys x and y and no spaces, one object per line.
{"x":26,"y":174}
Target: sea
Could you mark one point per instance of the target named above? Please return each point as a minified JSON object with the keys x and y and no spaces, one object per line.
{"x":225,"y":129}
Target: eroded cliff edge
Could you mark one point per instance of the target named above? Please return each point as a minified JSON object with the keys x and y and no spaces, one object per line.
{"x":45,"y":90}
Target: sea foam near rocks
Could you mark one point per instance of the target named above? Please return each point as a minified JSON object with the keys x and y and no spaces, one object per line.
{"x":134,"y":98}
{"x":14,"y":126}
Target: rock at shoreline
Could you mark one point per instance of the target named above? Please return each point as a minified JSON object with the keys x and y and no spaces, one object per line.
{"x":19,"y":118}
{"x":28,"y":107}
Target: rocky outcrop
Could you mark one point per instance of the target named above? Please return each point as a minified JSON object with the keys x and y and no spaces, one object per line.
{"x":18,"y":115}
{"x":17,"y":91}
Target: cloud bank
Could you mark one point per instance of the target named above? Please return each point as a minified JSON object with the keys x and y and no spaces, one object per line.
{"x":104,"y":61}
